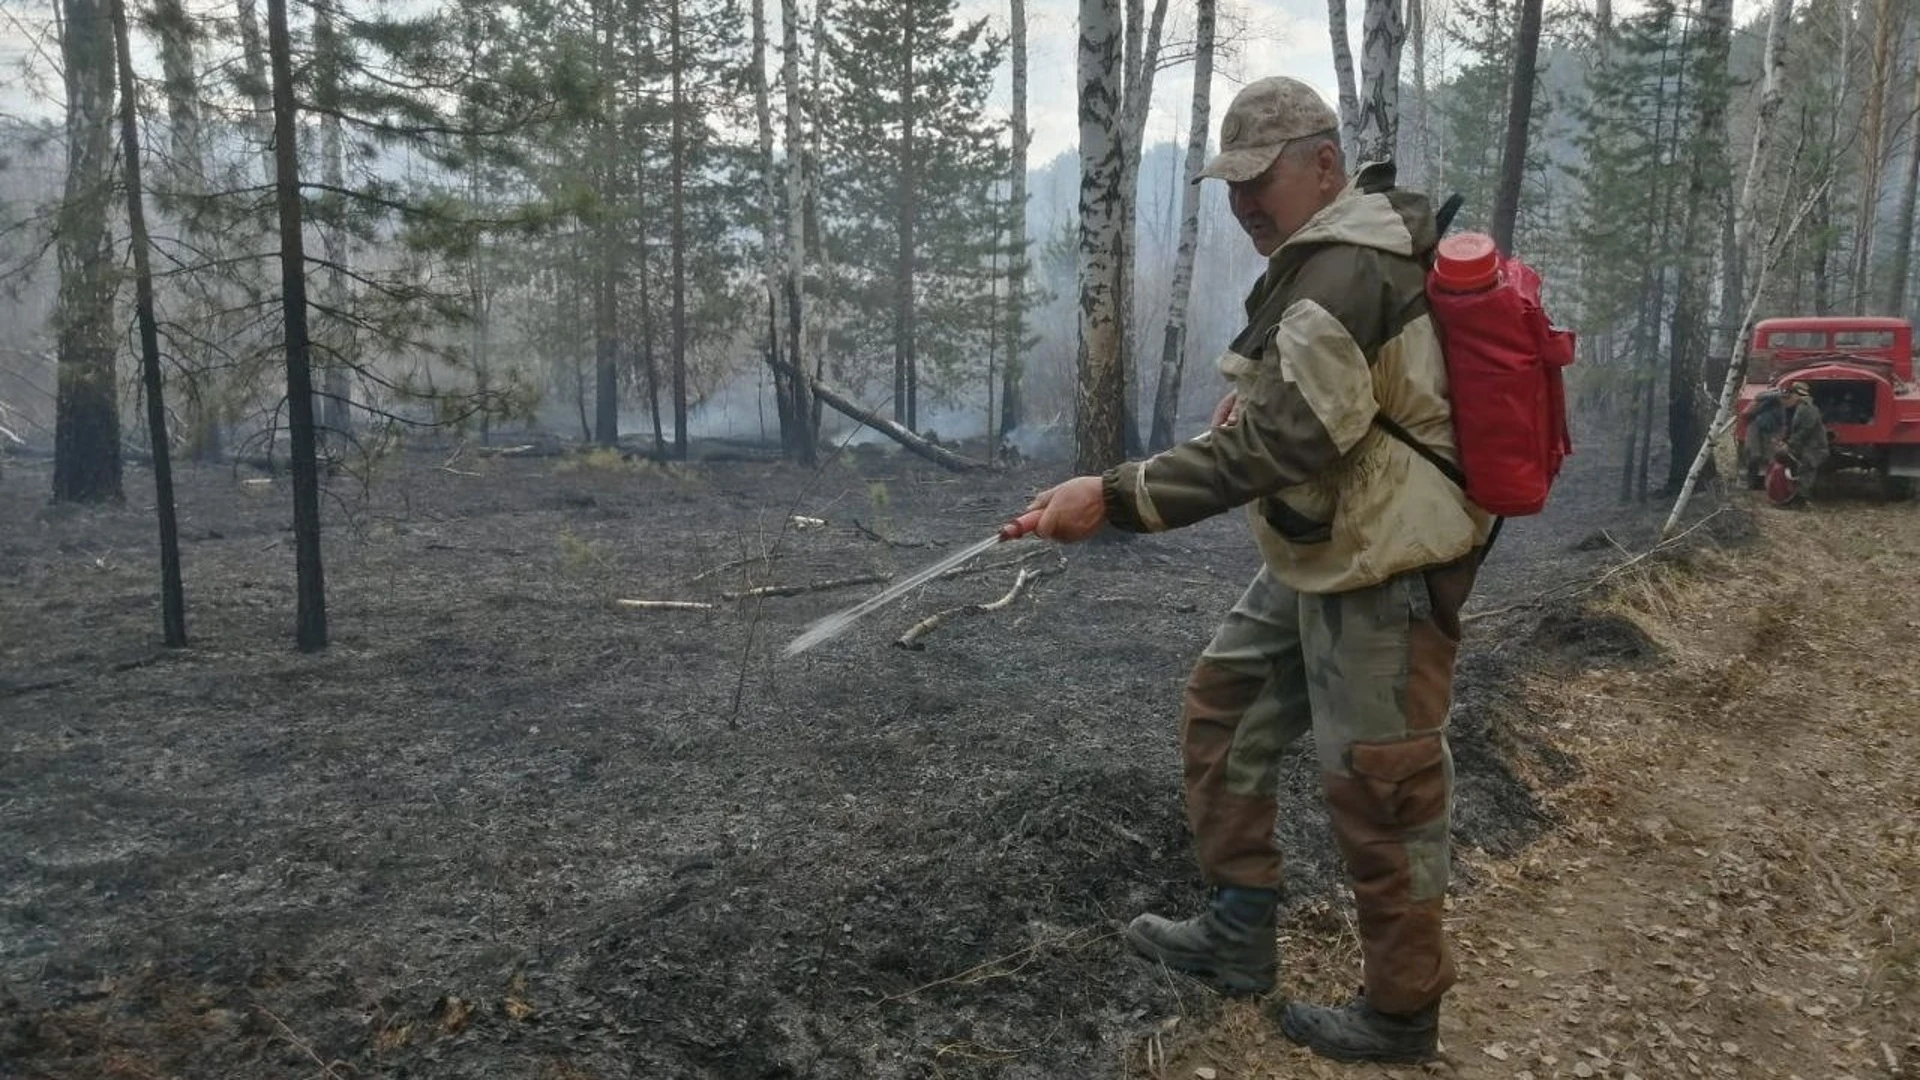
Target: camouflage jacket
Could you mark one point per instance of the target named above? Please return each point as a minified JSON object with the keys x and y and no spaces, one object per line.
{"x":1337,"y":331}
{"x":1806,"y":435}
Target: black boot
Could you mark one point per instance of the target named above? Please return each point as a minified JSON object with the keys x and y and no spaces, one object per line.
{"x":1359,"y":1032}
{"x":1231,"y":942}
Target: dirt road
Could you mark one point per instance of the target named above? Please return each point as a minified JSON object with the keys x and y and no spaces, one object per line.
{"x":1733,"y":886}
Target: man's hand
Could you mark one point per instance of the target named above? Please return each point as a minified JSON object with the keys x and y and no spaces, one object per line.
{"x":1072,"y":511}
{"x":1224,"y":411}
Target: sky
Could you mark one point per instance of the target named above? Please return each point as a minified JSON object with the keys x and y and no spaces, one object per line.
{"x":1280,"y":37}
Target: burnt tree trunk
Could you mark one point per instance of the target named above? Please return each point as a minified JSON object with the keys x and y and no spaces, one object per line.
{"x":906,"y":376}
{"x":311,"y":629}
{"x":1513,"y":156}
{"x":86,"y":446}
{"x":678,"y":224}
{"x":805,"y":410}
{"x":606,"y":296}
{"x":173,"y":605}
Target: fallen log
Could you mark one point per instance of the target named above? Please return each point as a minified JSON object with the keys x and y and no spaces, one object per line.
{"x":667,"y":605}
{"x":763,"y":591}
{"x":1027,"y":576}
{"x":939,"y":455}
{"x":796,"y":590}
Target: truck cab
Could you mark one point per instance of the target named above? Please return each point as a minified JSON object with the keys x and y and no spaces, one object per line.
{"x":1861,"y":372}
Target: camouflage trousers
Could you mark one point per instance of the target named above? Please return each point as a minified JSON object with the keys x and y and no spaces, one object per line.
{"x":1370,"y":673}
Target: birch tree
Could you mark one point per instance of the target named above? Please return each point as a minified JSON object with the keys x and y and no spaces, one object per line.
{"x":1343,"y":72}
{"x":771,"y":235}
{"x":1166,"y":398}
{"x":800,"y":395}
{"x":1141,"y":63}
{"x":182,"y":180}
{"x":1382,"y":36}
{"x":608,"y":242}
{"x":1423,"y":104}
{"x":1739,"y":262}
{"x":1705,"y":152}
{"x":1746,"y":216}
{"x":1873,"y":152}
{"x":1904,"y":221}
{"x":1011,"y":402}
{"x":253,"y":82}
{"x":1101,"y":383}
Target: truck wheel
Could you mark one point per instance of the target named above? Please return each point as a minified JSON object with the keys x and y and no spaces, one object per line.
{"x":1896,"y":488}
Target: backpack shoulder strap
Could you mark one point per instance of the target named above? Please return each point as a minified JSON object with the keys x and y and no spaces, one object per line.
{"x":1447,"y":468}
{"x":1442,"y":220}
{"x":1443,"y":217}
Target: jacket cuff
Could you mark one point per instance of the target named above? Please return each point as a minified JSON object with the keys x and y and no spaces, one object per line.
{"x":1116,"y":487}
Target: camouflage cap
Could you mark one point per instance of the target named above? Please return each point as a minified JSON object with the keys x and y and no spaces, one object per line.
{"x":1265,"y":116}
{"x":1799,"y":389}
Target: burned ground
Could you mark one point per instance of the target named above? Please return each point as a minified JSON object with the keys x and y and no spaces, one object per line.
{"x":506,"y":827}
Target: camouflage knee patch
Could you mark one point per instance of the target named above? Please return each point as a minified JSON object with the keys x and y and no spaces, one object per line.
{"x":1228,"y":808}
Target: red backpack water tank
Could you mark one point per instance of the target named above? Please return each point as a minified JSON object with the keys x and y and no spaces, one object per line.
{"x":1503,"y":365}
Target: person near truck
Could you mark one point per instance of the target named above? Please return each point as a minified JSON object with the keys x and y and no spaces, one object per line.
{"x":1803,"y":447}
{"x":1350,"y":628}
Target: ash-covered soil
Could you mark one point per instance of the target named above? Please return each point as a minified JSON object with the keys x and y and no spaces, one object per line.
{"x":505,"y":826}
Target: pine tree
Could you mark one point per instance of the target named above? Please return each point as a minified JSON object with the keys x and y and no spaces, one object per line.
{"x":173,"y":613}
{"x":1472,"y":121}
{"x":908,"y":187}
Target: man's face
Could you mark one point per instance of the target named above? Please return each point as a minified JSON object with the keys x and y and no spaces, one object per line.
{"x":1272,"y":206}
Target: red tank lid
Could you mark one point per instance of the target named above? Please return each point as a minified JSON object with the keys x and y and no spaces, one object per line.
{"x":1466,"y":262}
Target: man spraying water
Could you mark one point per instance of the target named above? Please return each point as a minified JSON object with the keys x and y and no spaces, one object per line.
{"x":1351,"y":627}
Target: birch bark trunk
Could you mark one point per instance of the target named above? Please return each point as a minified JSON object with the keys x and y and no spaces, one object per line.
{"x":678,"y":227}
{"x":1779,"y":23}
{"x":770,"y":228}
{"x":1382,"y":37}
{"x":1904,"y":222}
{"x":802,"y":402}
{"x":1343,"y":71}
{"x":1011,"y":375}
{"x":1873,"y":153}
{"x":1101,"y":381}
{"x":1166,"y":398}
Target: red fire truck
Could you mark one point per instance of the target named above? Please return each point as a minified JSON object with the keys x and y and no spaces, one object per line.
{"x":1861,"y":371}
